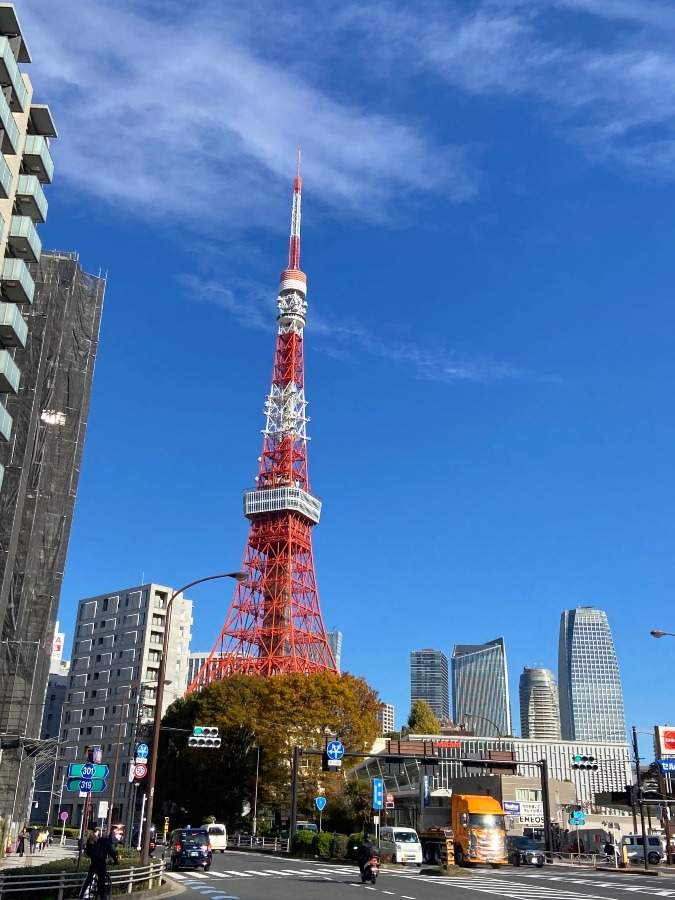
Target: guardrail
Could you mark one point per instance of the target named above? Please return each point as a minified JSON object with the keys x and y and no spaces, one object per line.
{"x":257,"y":842}
{"x":63,"y":884}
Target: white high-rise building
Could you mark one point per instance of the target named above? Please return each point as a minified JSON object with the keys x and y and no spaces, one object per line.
{"x":385,"y":717}
{"x":539,"y":706}
{"x":117,"y":649}
{"x":591,"y":699}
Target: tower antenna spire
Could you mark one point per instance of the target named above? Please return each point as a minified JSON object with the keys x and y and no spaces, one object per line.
{"x":294,"y":245}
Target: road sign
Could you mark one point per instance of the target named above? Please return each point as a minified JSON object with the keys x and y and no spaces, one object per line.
{"x":578,"y":814}
{"x":335,"y":750}
{"x":142,"y":751}
{"x":378,"y":793}
{"x":389,"y":801}
{"x":63,"y":816}
{"x":320,"y":803}
{"x":87,"y":770}
{"x":87,"y":785}
{"x":577,"y":821}
{"x":666,"y":765}
{"x":140,"y":770}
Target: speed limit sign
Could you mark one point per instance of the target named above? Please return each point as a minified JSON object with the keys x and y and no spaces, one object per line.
{"x":140,"y":770}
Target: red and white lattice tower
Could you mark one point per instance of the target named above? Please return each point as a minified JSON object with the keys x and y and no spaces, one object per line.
{"x":274,"y":625}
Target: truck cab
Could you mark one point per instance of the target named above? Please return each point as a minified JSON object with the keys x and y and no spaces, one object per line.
{"x":480,"y":830}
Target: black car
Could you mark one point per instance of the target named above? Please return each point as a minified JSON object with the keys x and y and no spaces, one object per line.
{"x":523,"y":851}
{"x":190,"y":847}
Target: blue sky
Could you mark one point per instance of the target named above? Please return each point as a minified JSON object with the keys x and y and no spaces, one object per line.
{"x":487,"y":233}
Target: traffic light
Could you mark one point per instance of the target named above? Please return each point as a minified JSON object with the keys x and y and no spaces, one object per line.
{"x":630,"y":801}
{"x":204,"y":736}
{"x":584,"y":762}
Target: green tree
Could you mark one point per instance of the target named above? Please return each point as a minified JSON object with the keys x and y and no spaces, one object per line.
{"x":261,"y":718}
{"x":422,"y":719}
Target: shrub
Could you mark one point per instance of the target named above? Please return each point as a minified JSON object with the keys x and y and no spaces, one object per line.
{"x":303,"y":841}
{"x":339,"y":846}
{"x":322,"y":844}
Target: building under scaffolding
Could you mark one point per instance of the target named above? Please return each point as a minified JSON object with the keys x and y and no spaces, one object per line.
{"x":42,"y":467}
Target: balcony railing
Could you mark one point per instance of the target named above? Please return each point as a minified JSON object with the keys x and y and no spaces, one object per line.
{"x":10,"y":76}
{"x":23,"y":238}
{"x":37,"y":158}
{"x":5,"y":179}
{"x":10,"y":137}
{"x":16,"y":281}
{"x":30,"y":198}
{"x":13,"y":328}
{"x":10,"y":375}
{"x":5,"y":424}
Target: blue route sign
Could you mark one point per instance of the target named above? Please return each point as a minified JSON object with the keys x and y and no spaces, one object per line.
{"x":142,"y":751}
{"x":378,"y":793}
{"x":666,"y":766}
{"x":335,"y":750}
{"x":320,"y":803}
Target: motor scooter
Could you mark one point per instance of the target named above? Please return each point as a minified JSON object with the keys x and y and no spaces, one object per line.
{"x":370,"y":870}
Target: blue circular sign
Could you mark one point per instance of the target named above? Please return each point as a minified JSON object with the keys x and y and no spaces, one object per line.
{"x":87,"y":771}
{"x":335,"y":750}
{"x":142,"y":751}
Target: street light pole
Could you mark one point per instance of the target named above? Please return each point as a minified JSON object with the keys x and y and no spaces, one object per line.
{"x":486,"y":719}
{"x":159,"y":699}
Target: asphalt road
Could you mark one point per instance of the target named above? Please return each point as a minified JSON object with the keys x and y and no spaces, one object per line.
{"x":238,"y":875}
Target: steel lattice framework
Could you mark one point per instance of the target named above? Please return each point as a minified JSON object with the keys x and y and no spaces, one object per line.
{"x":274,"y":625}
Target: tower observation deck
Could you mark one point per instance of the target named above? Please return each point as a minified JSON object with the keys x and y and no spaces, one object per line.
{"x":274,"y":625}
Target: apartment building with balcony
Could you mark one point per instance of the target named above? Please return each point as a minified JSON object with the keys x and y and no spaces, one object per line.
{"x":117,"y":649}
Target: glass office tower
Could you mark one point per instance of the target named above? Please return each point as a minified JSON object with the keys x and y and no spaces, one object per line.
{"x":480,"y":687}
{"x":591,"y":700}
{"x":429,"y":680}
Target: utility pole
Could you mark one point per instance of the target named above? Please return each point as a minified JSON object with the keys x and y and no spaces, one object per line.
{"x":638,"y":784}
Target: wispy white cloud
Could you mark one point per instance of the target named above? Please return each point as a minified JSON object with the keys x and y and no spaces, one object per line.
{"x":252,"y":306}
{"x":610,"y":89}
{"x":176,"y":115}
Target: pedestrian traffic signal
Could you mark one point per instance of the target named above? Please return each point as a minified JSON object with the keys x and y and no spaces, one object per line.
{"x":204,"y":736}
{"x":584,"y":762}
{"x":630,"y":801}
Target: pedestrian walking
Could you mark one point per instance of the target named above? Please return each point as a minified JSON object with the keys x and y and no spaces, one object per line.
{"x":32,"y":839}
{"x":100,"y":850}
{"x":21,"y":842}
{"x":42,"y":837}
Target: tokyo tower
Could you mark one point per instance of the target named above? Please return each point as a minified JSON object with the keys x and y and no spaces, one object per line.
{"x":274,"y":626}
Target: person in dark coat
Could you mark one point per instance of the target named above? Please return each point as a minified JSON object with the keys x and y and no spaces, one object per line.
{"x":366,"y":850}
{"x":32,"y":839}
{"x":21,"y":842}
{"x":92,"y":838}
{"x":102,"y":849}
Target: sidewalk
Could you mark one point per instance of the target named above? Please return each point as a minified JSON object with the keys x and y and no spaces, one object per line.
{"x":56,"y":851}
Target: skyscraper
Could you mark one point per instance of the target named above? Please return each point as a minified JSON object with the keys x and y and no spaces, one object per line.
{"x":591,"y":699}
{"x":480,"y":687}
{"x":42,"y":467}
{"x":335,"y":644}
{"x":429,"y":680}
{"x":539,"y":706}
